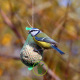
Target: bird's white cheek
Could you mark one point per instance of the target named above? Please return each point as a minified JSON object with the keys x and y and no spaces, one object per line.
{"x":34,"y":33}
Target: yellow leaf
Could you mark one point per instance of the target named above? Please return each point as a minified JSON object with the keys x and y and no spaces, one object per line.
{"x":1,"y":72}
{"x":6,"y":39}
{"x":70,"y":28}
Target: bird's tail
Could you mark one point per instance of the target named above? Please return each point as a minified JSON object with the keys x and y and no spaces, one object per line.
{"x":57,"y":49}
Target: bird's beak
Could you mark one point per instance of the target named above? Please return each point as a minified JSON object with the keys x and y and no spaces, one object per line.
{"x":29,"y":32}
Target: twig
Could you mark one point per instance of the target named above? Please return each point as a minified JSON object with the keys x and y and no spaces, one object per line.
{"x":32,"y":13}
{"x":11,"y":25}
{"x":29,"y":24}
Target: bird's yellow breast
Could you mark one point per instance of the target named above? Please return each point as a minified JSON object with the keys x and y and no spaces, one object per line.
{"x":42,"y":44}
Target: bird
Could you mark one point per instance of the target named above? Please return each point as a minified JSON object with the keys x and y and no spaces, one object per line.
{"x":43,"y":40}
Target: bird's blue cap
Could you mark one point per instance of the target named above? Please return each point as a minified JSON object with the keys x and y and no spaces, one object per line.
{"x":34,"y":28}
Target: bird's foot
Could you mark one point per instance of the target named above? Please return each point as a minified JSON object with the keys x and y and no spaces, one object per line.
{"x":35,"y":50}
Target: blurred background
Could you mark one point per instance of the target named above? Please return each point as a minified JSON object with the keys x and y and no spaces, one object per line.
{"x":60,"y":19}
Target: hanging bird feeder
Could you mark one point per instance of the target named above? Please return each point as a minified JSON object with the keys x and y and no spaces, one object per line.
{"x":28,"y":56}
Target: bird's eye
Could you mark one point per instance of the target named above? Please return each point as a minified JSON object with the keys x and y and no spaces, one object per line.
{"x":29,"y":32}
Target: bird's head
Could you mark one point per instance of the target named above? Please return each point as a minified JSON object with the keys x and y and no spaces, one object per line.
{"x":34,"y":31}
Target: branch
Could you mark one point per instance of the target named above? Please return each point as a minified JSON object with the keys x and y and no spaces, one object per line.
{"x":61,"y":26}
{"x":52,"y":74}
{"x":11,"y":25}
{"x":9,"y":56}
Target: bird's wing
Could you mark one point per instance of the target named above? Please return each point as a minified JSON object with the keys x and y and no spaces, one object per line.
{"x":45,"y":39}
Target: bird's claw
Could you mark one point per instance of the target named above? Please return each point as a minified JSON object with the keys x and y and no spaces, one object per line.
{"x":35,"y":50}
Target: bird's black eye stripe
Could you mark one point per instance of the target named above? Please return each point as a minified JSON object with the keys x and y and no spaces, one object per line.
{"x":33,"y":30}
{"x":38,"y":32}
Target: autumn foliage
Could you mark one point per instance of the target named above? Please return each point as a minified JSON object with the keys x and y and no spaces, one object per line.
{"x":57,"y":18}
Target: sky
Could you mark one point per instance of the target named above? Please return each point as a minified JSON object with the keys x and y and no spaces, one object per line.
{"x":63,"y":2}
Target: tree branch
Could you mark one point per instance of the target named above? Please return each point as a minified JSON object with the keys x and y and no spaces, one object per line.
{"x":9,"y":56}
{"x":52,"y":74}
{"x":11,"y":25}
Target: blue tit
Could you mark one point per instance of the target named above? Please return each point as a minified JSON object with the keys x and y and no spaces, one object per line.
{"x":43,"y":40}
